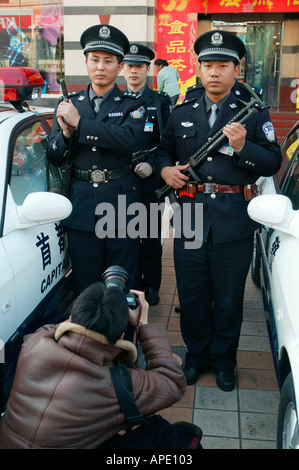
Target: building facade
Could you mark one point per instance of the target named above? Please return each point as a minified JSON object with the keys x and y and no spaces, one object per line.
{"x":45,"y":34}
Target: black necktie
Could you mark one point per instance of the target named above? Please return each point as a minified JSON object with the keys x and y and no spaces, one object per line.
{"x":97,"y":102}
{"x":213,"y":115}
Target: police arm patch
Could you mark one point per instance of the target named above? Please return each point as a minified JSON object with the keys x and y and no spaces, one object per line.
{"x":138,"y":113}
{"x":269,"y":132}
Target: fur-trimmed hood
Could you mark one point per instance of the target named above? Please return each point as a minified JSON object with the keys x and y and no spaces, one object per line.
{"x":123,"y":345}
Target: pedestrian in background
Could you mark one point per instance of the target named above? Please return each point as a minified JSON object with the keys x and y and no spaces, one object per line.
{"x":211,"y":278}
{"x":99,"y":128}
{"x":157,"y":111}
{"x":167,"y":80}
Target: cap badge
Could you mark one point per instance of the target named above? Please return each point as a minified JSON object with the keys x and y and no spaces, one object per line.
{"x":134,"y":49}
{"x":216,"y":39}
{"x":104,"y":32}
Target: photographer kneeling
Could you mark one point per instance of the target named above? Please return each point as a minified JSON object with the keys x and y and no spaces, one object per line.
{"x":63,"y":395}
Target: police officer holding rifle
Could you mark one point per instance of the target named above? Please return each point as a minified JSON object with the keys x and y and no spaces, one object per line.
{"x":94,"y":133}
{"x":211,"y":274}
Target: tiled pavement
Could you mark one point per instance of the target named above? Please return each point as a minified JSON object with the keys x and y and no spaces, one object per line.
{"x":246,"y":417}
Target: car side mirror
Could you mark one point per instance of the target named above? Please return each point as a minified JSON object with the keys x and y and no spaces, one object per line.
{"x":275,"y":211}
{"x":43,"y":207}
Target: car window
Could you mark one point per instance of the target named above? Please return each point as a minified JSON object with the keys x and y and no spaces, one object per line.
{"x":288,"y":149}
{"x":31,"y":170}
{"x":290,"y":186}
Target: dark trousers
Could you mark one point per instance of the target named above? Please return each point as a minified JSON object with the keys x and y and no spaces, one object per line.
{"x":91,"y":256}
{"x":211,"y":282}
{"x":157,"y":434}
{"x":151,"y":248}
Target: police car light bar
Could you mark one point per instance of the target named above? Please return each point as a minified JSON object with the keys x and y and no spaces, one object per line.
{"x":20,"y":83}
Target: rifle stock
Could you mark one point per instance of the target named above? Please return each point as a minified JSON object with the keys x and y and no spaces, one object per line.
{"x":209,"y":148}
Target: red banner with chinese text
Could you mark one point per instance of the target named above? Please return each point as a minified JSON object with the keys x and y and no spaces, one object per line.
{"x":228,"y":6}
{"x":176,"y":36}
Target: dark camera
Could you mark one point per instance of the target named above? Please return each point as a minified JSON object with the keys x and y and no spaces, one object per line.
{"x":118,"y":277}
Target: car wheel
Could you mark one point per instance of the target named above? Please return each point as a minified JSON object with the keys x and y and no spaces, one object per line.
{"x":256,"y":264}
{"x":287,"y":425}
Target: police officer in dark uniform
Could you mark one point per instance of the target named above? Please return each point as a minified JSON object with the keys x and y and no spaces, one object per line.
{"x":100,"y":139}
{"x":157,"y":111}
{"x":211,"y":278}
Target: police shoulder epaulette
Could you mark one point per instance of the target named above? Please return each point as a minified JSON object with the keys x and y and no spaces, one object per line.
{"x":194,"y":87}
{"x":71,"y":95}
{"x":183,"y":103}
{"x":134,"y":96}
{"x":74,"y":93}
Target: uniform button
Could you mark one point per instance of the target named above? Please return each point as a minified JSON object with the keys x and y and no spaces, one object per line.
{"x":213,"y":195}
{"x":95,"y":185}
{"x":96,"y":138}
{"x":94,"y":149}
{"x":94,"y":167}
{"x":209,"y":178}
{"x":210,"y":159}
{"x":92,"y":137}
{"x":88,"y":137}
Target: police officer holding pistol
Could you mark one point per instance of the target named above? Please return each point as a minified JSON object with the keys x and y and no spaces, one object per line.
{"x":98,"y":127}
{"x":157,"y":111}
{"x":211,"y":278}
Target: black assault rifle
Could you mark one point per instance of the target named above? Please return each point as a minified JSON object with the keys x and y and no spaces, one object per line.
{"x":209,"y":148}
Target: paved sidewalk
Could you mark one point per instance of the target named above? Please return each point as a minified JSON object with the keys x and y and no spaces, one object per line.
{"x":246,"y":417}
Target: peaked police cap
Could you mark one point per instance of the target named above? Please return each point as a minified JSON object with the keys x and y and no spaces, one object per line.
{"x":139,"y":54}
{"x":104,"y":37}
{"x":219,"y":45}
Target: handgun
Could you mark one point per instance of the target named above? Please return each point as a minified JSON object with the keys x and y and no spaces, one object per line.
{"x":63,"y":88}
{"x":64,"y":93}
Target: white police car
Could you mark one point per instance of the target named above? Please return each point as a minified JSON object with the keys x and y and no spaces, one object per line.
{"x":35,"y":286}
{"x":275,"y":267}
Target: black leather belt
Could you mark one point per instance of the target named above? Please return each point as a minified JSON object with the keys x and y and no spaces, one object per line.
{"x":101,"y":176}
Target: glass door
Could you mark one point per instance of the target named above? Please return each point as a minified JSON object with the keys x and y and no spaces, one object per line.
{"x":261,"y":65}
{"x":263,"y":59}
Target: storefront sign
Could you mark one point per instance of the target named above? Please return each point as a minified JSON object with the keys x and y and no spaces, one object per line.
{"x":176,"y":36}
{"x":228,"y":6}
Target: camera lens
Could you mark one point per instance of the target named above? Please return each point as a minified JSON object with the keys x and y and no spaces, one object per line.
{"x":116,"y":276}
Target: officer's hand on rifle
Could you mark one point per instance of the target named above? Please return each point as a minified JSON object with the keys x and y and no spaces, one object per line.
{"x":173,"y":177}
{"x":236,"y":134}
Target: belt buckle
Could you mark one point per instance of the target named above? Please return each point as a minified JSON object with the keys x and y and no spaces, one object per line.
{"x":209,"y":188}
{"x":98,"y":176}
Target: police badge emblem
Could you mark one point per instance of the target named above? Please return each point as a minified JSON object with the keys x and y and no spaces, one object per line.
{"x":216,"y":39}
{"x":104,"y":32}
{"x":134,"y":49}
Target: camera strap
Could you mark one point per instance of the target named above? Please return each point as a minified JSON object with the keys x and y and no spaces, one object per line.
{"x":122,"y":382}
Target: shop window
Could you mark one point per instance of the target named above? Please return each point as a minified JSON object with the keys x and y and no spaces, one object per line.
{"x":32,"y":35}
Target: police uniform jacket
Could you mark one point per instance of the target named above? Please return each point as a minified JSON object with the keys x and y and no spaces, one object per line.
{"x":150,"y":136}
{"x":103,"y":141}
{"x":188,"y":130}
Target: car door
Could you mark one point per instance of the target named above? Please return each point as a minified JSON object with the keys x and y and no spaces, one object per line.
{"x":35,"y":258}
